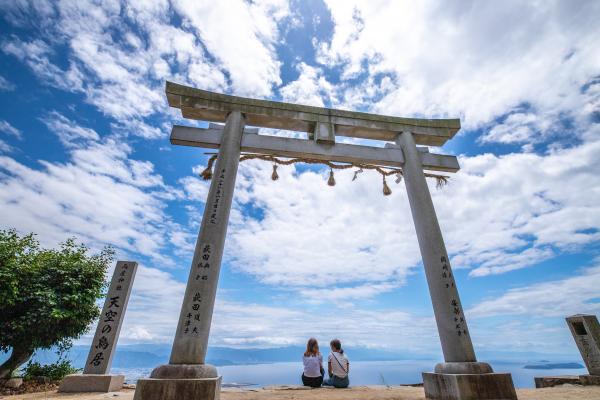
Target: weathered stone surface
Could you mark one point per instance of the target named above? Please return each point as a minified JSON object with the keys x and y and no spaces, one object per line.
{"x":449,"y":316}
{"x":463,"y":368}
{"x":586,"y":332}
{"x":11,"y":383}
{"x":186,"y":375}
{"x":495,"y":386}
{"x":191,"y":338}
{"x":209,"y":106}
{"x":184,"y":371}
{"x":91,"y":383}
{"x":178,"y":389}
{"x":107,"y":333}
{"x":550,"y":381}
{"x":302,"y":148}
{"x":589,"y":380}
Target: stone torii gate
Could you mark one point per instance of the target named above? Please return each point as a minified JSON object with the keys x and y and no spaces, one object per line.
{"x":187,"y":375}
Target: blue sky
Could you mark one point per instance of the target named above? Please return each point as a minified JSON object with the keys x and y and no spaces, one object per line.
{"x":84,"y":152}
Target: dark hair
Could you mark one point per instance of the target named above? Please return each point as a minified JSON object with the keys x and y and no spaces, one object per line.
{"x":312,"y":348}
{"x":337,"y":345}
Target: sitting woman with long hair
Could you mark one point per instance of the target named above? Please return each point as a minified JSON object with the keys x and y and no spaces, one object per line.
{"x":338,"y":366}
{"x":313,"y":365}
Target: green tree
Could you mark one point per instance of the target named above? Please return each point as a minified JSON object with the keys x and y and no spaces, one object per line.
{"x":47,"y":296}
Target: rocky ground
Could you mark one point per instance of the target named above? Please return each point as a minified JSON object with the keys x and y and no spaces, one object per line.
{"x":564,"y":392}
{"x":28,"y":387}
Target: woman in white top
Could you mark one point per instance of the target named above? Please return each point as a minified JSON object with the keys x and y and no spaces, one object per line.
{"x":338,"y":366}
{"x":313,"y":365}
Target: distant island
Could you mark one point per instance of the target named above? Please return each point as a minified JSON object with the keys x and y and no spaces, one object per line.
{"x":555,"y":366}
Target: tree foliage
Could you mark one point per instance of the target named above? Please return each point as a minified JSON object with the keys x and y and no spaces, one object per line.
{"x":47,"y":296}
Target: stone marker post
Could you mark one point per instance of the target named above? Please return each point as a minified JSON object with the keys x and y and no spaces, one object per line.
{"x":460,"y":376}
{"x":95,"y":376}
{"x":586,"y":333}
{"x":187,"y":376}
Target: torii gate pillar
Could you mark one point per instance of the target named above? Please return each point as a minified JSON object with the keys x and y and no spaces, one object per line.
{"x":187,"y":376}
{"x":460,"y":377}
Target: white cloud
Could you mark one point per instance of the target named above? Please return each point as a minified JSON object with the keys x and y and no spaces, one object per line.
{"x":6,"y":85}
{"x":121,"y":73}
{"x":474,"y":60}
{"x":314,"y":235}
{"x":99,"y":195}
{"x":249,"y":57}
{"x":508,"y":212}
{"x":311,"y":87}
{"x":195,"y":189}
{"x":344,"y":296}
{"x":36,"y":55}
{"x":257,"y":325}
{"x":518,"y":127}
{"x":531,"y":67}
{"x":5,"y":147}
{"x":498,"y":214}
{"x":153,"y":307}
{"x":560,"y":298}
{"x":138,"y":127}
{"x":153,"y":311}
{"x":7,"y":128}
{"x":69,"y":132}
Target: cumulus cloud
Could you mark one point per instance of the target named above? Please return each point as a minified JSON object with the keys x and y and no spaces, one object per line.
{"x":311,"y":88}
{"x":36,"y":55}
{"x":153,"y":307}
{"x":249,"y":57}
{"x":258,"y":325}
{"x":122,"y":74}
{"x":7,"y":128}
{"x":308,"y":233}
{"x":522,"y":74}
{"x":473,"y":60}
{"x":558,"y":298}
{"x":99,"y":196}
{"x":498,"y":214}
{"x":5,"y":147}
{"x":509,"y":212}
{"x":5,"y":85}
{"x":69,"y":132}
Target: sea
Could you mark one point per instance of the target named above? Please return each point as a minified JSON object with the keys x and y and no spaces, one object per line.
{"x":361,"y":373}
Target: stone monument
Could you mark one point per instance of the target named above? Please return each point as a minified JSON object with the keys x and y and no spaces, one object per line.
{"x":586,"y":332}
{"x":96,"y":377}
{"x":186,"y":375}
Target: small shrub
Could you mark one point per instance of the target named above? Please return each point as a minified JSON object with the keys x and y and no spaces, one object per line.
{"x":53,"y":372}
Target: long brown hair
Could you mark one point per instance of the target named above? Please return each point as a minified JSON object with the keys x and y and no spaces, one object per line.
{"x":312,"y":348}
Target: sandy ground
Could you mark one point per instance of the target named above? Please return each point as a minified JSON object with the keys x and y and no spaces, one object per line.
{"x":565,"y":392}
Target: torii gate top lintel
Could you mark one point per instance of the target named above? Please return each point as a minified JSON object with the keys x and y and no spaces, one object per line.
{"x":325,"y":122}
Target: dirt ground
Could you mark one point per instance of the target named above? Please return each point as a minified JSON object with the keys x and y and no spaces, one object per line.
{"x":565,"y":392}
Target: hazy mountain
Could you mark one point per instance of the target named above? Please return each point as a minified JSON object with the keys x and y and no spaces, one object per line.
{"x":151,"y":355}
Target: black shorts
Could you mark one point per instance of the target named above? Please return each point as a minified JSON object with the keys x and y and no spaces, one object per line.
{"x":312,"y":382}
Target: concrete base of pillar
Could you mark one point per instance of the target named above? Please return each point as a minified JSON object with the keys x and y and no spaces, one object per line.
{"x":180,"y":381}
{"x":465,"y":367}
{"x":91,"y":383}
{"x":487,"y":386}
{"x":589,"y":380}
{"x":178,"y":389}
